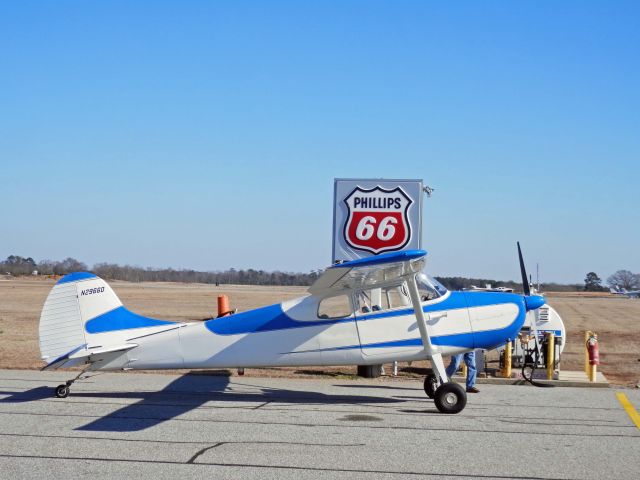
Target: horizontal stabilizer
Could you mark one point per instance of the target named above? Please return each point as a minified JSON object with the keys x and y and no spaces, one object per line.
{"x":77,"y":355}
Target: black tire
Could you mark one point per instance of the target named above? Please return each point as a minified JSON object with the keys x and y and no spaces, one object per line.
{"x":450,"y":398}
{"x":527,"y":371}
{"x":369,"y":371}
{"x":430,"y":385}
{"x":62,"y":391}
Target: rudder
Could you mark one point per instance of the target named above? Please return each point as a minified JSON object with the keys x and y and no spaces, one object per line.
{"x":74,"y":299}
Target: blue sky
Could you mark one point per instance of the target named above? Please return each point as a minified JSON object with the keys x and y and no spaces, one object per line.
{"x":207,"y":135}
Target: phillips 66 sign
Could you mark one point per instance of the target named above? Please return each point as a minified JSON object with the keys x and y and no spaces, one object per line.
{"x":376,"y":216}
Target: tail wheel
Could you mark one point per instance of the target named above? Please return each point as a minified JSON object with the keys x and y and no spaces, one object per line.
{"x":450,"y":398}
{"x":430,"y":385}
{"x":62,"y":391}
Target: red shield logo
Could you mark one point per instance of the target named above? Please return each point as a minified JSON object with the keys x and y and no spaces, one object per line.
{"x":377,"y":220}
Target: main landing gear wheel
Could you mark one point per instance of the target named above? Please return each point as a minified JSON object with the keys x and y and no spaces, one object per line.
{"x":430,"y":385}
{"x":450,"y":398}
{"x":62,"y":391}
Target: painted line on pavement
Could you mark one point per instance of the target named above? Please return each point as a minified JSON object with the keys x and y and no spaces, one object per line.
{"x":628,"y":407}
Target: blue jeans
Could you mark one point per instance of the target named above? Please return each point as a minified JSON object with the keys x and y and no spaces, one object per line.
{"x":470,"y":360}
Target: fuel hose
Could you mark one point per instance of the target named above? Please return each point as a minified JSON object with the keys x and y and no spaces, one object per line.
{"x":532,"y":368}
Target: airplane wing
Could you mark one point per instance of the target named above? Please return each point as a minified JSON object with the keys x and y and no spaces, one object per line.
{"x":368,"y":272}
{"x":372,"y":271}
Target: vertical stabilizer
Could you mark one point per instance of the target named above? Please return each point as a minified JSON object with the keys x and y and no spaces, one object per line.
{"x":74,"y":299}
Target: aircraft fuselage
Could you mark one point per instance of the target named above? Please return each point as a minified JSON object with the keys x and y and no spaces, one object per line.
{"x":292,"y":334}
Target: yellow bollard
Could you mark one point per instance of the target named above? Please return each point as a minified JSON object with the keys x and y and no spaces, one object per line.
{"x":506,"y":371}
{"x":550,"y":355}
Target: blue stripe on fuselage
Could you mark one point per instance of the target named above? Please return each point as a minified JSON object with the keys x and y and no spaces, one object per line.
{"x":265,"y":319}
{"x":486,"y":339}
{"x":455,"y":301}
{"x":272,"y":318}
{"x":121,"y":319}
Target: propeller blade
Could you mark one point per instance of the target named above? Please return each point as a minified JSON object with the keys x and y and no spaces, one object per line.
{"x":525,"y":282}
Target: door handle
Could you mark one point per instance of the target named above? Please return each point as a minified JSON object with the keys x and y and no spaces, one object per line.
{"x":432,"y":318}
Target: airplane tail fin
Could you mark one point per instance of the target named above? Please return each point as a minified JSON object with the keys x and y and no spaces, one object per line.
{"x":83,"y":316}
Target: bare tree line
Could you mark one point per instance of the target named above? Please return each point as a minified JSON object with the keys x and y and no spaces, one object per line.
{"x":113,"y":271}
{"x":462,"y":283}
{"x":16,"y":265}
{"x":624,"y":279}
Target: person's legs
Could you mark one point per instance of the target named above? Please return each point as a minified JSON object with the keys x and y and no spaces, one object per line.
{"x":470,"y":360}
{"x":454,"y":365}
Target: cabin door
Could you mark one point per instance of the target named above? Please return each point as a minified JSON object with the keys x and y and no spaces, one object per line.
{"x":386,"y":323}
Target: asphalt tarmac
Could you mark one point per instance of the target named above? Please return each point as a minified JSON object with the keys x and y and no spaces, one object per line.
{"x":142,"y":426}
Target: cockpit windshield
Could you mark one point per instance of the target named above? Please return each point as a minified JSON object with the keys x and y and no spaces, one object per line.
{"x":429,"y":287}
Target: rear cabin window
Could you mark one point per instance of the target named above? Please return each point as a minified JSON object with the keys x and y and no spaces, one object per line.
{"x":334,"y":307}
{"x":386,"y":298}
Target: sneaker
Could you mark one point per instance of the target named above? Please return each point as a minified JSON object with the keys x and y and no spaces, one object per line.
{"x":473,"y":390}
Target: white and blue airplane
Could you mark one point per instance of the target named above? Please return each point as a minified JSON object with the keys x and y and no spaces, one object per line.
{"x":368,"y":311}
{"x":623,"y":291}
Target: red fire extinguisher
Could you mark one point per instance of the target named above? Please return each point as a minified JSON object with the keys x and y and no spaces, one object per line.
{"x":592,"y":348}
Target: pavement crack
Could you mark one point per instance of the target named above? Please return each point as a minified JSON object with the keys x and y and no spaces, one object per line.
{"x":540,"y":422}
{"x":203,"y":450}
{"x":179,"y":442}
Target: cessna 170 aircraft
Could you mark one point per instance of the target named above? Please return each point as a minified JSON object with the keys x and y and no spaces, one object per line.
{"x":367,"y":311}
{"x":623,"y":291}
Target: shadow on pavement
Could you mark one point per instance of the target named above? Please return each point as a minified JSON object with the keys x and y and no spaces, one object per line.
{"x":39,"y":393}
{"x":184,"y":394}
{"x":383,"y":387}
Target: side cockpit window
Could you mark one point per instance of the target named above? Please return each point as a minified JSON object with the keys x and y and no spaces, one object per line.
{"x":429,"y":288}
{"x":334,"y":307}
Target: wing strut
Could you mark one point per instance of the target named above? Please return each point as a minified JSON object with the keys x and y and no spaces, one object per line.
{"x":431,"y":351}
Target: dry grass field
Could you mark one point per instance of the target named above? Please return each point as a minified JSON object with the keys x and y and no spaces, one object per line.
{"x":616,"y":320}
